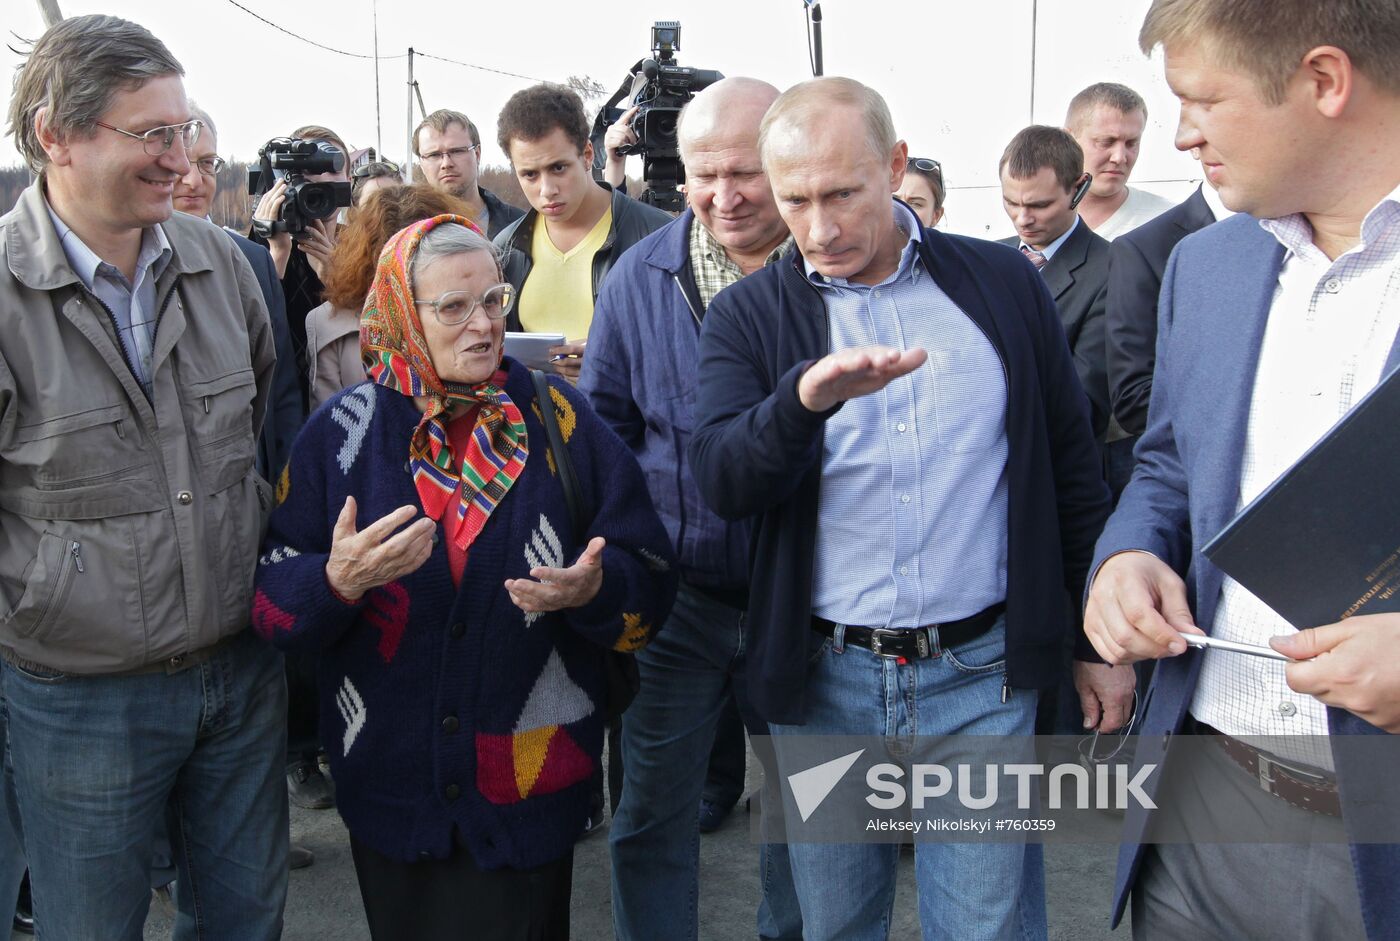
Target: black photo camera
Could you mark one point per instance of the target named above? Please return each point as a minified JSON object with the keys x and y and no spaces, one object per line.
{"x":292,"y":159}
{"x":659,"y":88}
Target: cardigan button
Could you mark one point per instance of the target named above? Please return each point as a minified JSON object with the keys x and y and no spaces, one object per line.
{"x":452,"y":792}
{"x":458,"y":629}
{"x":450,"y":724}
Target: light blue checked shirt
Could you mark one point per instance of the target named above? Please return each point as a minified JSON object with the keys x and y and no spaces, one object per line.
{"x":912,"y":514}
{"x":132,"y":304}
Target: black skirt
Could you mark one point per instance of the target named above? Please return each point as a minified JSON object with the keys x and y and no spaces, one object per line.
{"x":453,"y":900}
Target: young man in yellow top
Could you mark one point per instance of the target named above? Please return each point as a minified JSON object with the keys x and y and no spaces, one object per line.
{"x":557,"y":255}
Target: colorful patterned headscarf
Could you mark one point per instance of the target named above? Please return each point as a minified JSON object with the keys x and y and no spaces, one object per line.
{"x":395,"y":354}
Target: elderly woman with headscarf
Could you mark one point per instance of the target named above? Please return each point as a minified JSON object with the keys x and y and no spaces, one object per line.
{"x":423,"y":545}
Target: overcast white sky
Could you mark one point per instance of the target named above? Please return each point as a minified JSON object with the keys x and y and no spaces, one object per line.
{"x":956,"y":73}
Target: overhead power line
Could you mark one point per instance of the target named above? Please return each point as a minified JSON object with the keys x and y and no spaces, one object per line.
{"x":318,"y":45}
{"x":360,"y":55}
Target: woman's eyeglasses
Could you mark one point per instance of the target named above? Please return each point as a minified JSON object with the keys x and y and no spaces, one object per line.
{"x":456,"y":307}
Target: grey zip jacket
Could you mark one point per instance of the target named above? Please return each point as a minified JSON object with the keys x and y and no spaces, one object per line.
{"x":129,"y":526}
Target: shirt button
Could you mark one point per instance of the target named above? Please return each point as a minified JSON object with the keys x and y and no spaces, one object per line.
{"x":904,"y":570}
{"x":901,"y":427}
{"x":452,"y":792}
{"x":458,"y":629}
{"x":1287,"y":709}
{"x":184,"y":497}
{"x":1332,"y":286}
{"x":904,"y":498}
{"x":877,"y":293}
{"x":450,"y":724}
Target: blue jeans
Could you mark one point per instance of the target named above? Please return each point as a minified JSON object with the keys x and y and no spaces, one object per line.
{"x":966,"y":890}
{"x":12,"y":862}
{"x":97,"y":760}
{"x":687,"y":674}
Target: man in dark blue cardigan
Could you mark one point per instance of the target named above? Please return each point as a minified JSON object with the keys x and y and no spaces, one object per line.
{"x":948,"y":505}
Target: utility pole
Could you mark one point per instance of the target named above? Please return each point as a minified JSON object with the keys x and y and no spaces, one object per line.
{"x":378,"y":124}
{"x":408,"y":116}
{"x":48,"y":9}
{"x":1030,"y":119}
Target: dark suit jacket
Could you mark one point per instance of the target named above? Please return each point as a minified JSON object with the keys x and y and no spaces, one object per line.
{"x":284,"y":412}
{"x":1077,"y":276}
{"x":1217,"y":292}
{"x":1136,"y":262}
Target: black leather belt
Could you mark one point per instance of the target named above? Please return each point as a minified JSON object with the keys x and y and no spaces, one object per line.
{"x":915,"y":643}
{"x":1305,"y":788}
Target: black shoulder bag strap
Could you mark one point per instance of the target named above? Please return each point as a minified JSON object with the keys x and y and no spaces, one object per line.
{"x":620,"y":674}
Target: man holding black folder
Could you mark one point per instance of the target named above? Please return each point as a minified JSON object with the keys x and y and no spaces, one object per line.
{"x":1270,"y":329}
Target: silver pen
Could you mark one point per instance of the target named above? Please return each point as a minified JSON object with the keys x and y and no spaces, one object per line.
{"x":1203,"y":641}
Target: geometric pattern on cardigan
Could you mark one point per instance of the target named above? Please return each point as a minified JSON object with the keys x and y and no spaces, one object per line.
{"x":267,"y":617}
{"x":543,"y":550}
{"x":538,"y":757}
{"x":352,"y":710}
{"x":564,"y":415}
{"x":353,"y":412}
{"x":386,"y":610}
{"x":634,"y":633}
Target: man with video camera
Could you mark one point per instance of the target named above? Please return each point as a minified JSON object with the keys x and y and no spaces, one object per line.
{"x":282,"y":226}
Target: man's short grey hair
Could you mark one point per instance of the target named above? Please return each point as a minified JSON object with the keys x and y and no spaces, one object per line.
{"x":1120,"y":98}
{"x":445,"y":240}
{"x":199,"y":114}
{"x":813,"y":99}
{"x":72,"y":72}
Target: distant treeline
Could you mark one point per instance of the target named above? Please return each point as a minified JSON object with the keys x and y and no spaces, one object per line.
{"x":233,"y":206}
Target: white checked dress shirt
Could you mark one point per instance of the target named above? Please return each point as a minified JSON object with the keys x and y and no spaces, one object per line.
{"x":912,"y":515}
{"x":1329,"y":333}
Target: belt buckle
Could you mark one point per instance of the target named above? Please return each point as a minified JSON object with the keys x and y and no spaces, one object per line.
{"x":876,"y":644}
{"x":1266,"y":777}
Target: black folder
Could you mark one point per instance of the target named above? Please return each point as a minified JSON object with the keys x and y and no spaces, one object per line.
{"x":1322,"y":542}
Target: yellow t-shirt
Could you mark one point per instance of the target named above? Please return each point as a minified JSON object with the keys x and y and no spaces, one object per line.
{"x":557,"y":296}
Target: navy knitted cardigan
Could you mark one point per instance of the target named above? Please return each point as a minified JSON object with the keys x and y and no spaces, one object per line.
{"x":450,"y":711}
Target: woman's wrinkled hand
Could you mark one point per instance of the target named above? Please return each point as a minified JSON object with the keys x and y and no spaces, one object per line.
{"x":376,"y":555}
{"x":557,"y":589}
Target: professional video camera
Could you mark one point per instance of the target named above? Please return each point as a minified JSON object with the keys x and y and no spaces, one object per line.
{"x":292,"y":159}
{"x":659,"y":88}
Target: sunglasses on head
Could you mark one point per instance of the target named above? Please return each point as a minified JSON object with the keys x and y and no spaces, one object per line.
{"x":374,"y":169}
{"x":927,"y":165}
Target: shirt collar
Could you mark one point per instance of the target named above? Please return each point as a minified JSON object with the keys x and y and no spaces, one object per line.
{"x":910,"y":225}
{"x":1295,"y":233}
{"x":711,"y":246}
{"x":1216,"y":204}
{"x":1050,"y":250}
{"x":155,"y":252}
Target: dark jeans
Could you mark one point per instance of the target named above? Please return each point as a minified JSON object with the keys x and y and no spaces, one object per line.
{"x":724,"y":781}
{"x":12,"y":861}
{"x":98,"y":761}
{"x":688,"y":672}
{"x":303,"y":709}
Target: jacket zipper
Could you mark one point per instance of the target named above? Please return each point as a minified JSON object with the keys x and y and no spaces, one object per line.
{"x":65,"y":576}
{"x":686,"y":297}
{"x":116,"y":328}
